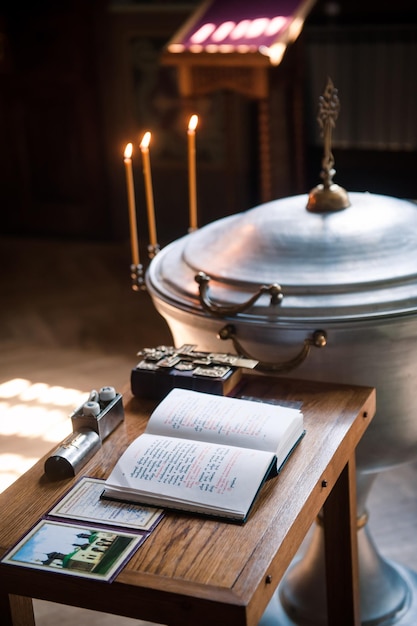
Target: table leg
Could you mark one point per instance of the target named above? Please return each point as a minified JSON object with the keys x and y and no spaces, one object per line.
{"x":16,"y":610}
{"x":341,"y":550}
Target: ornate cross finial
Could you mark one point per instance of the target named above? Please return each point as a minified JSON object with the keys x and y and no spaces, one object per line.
{"x":328,"y":196}
{"x":328,"y":112}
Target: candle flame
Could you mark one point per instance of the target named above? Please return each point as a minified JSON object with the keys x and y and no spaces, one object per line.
{"x":192,"y":124}
{"x":144,"y":144}
{"x":128,"y":151}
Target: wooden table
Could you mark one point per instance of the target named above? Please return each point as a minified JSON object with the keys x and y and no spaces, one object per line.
{"x":198,"y":571}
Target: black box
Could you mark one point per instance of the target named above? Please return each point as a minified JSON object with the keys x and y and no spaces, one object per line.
{"x":163,"y":368}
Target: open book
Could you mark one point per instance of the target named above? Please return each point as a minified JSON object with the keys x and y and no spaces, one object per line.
{"x":206,"y":454}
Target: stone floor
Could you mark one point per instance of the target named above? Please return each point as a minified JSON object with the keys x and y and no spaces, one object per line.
{"x":70,"y":322}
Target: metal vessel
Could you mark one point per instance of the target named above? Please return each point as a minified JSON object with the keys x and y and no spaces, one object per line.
{"x":321,"y":286}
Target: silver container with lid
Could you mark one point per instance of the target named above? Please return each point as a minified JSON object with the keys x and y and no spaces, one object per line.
{"x":350,"y":275}
{"x":322,"y":287}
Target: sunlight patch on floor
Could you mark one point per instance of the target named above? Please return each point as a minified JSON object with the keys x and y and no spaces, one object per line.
{"x":33,"y":416}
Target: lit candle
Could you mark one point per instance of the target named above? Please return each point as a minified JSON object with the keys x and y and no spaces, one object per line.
{"x":131,"y":204}
{"x":192,"y":183}
{"x":144,"y":146}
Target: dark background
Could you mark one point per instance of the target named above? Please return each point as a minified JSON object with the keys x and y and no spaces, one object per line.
{"x":78,"y":80}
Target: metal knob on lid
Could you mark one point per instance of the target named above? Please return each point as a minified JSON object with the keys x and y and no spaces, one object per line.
{"x":328,"y":196}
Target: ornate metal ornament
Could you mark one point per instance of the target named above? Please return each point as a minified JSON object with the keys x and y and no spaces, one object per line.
{"x":328,"y":196}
